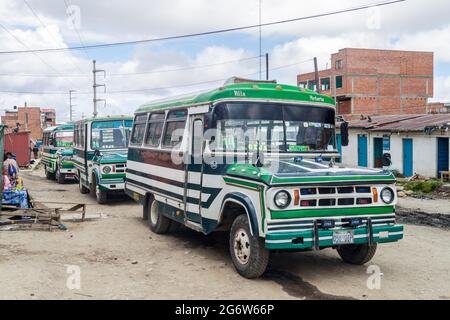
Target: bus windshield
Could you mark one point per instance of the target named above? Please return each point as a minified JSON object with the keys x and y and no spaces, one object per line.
{"x":110,"y":135}
{"x":276,"y":128}
{"x":64,"y":139}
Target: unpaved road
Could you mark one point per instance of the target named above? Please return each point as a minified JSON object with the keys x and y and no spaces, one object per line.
{"x":120,"y":258}
{"x":440,"y":206}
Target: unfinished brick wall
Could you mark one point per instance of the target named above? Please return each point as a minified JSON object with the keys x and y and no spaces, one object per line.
{"x":380,"y":81}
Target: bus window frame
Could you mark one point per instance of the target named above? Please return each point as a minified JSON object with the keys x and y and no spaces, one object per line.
{"x":166,"y":122}
{"x":216,"y":118}
{"x":88,"y":140}
{"x":149,"y":122}
{"x":135,"y":123}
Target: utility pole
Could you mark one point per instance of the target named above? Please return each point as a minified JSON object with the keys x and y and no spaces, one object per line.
{"x":267,"y":66}
{"x":95,"y":86}
{"x":316,"y":71}
{"x":26,"y":116}
{"x":71,"y":105}
{"x":260,"y":40}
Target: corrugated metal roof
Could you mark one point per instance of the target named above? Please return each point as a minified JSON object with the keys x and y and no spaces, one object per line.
{"x":376,"y":121}
{"x":402,"y":122}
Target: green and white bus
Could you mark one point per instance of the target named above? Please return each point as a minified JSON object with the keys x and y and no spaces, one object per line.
{"x":256,"y":159}
{"x":100,"y":155}
{"x":58,"y":153}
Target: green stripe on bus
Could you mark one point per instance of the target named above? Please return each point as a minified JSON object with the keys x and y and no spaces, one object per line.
{"x":241,"y":183}
{"x":309,"y":213}
{"x":333,"y":179}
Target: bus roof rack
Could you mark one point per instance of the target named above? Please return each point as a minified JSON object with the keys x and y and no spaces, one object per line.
{"x":236,"y":80}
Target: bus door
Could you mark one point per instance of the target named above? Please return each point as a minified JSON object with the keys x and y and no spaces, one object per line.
{"x":85,"y":152}
{"x":194,"y":170}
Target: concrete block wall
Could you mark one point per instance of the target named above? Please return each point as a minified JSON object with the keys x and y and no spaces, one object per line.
{"x":425,"y":151}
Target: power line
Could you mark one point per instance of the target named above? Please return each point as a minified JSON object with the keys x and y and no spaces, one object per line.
{"x":156,"y":89}
{"x":49,"y":33}
{"x":106,"y":45}
{"x":34,"y":53}
{"x":130,"y":73}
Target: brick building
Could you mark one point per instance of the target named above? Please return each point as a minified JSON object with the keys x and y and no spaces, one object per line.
{"x":376,"y":82}
{"x":38,"y":120}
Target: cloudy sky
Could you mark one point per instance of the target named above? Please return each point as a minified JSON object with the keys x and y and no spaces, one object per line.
{"x":140,"y":73}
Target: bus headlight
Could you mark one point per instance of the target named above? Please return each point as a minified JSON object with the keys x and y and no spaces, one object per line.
{"x":282,"y":199}
{"x":387,"y":195}
{"x":107,"y":169}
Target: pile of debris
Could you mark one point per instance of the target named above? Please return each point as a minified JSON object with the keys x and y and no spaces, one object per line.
{"x":41,"y":217}
{"x":402,"y":193}
{"x":418,"y":177}
{"x":30,"y":218}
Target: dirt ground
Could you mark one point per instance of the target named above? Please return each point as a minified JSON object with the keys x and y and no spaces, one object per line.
{"x":119,"y":258}
{"x":441,"y":206}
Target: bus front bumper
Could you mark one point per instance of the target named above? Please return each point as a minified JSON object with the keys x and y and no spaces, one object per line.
{"x":112,"y":184}
{"x":319,"y":239}
{"x":67,"y":172}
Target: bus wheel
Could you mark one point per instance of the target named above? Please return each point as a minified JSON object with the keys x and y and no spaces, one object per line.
{"x":249,"y":255}
{"x":49,"y":175}
{"x":101,"y":195}
{"x":93,"y":187}
{"x":157,"y":222}
{"x":82,"y":188}
{"x":60,"y":177}
{"x":358,"y":254}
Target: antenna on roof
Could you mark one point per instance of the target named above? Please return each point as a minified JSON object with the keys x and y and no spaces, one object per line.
{"x":236,"y":80}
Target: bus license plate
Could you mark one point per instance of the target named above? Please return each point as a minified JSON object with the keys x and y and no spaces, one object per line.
{"x":343,"y":237}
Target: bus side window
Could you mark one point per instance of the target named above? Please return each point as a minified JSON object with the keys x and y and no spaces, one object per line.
{"x":176,"y":123}
{"x":82,"y":135}
{"x":75,"y":136}
{"x":137,"y":137}
{"x":154,"y":130}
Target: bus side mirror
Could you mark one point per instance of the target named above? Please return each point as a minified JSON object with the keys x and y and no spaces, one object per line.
{"x":97,"y":153}
{"x":344,"y":134}
{"x":258,"y":159}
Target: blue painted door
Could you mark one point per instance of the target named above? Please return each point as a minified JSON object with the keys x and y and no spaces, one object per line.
{"x":362,"y":151}
{"x":339,"y":146}
{"x":378,"y":152}
{"x":443,"y":156}
{"x":408,"y":168}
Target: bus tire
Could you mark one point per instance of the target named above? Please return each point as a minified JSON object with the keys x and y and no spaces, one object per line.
{"x":248,"y":252}
{"x":93,"y":187}
{"x":101,"y":195}
{"x":157,"y":222}
{"x":60,"y":177}
{"x":81,"y":187}
{"x":145,"y":207}
{"x":49,"y":175}
{"x":358,"y":254}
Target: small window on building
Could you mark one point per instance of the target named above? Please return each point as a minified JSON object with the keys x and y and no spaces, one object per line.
{"x":312,"y":85}
{"x":137,"y":137}
{"x":155,"y":128}
{"x":338,"y":64}
{"x":303,"y":84}
{"x":325,"y":84}
{"x":176,"y":123}
{"x":339,"y":82}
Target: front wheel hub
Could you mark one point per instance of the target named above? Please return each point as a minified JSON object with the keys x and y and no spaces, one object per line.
{"x":242,"y":246}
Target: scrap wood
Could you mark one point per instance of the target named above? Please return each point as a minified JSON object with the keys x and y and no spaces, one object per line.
{"x":31,"y":217}
{"x":75,"y":208}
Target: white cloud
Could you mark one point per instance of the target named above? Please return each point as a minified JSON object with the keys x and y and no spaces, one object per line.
{"x":412,"y":25}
